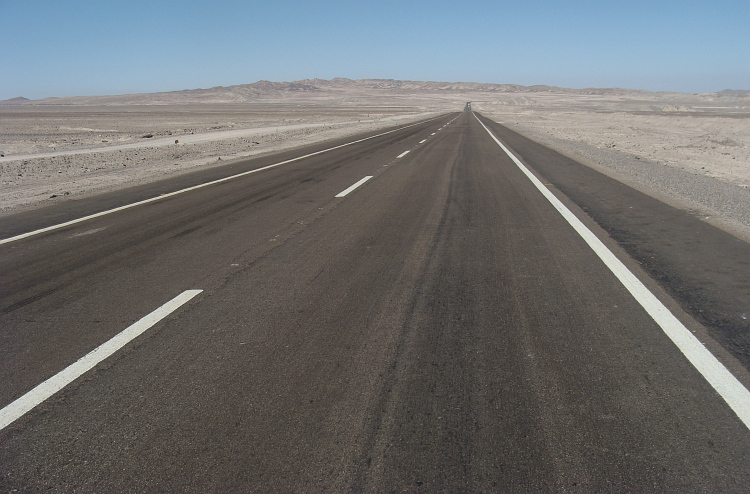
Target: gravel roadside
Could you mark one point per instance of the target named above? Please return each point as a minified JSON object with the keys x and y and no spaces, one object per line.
{"x":29,"y":181}
{"x":723,"y":204}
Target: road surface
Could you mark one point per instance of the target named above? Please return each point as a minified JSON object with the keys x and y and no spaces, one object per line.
{"x":407,"y":312}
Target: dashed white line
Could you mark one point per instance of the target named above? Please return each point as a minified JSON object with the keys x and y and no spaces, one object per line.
{"x":43,"y":391}
{"x":182,"y":191}
{"x":402,"y":154}
{"x":733,"y":392}
{"x":423,"y":141}
{"x":346,"y":191}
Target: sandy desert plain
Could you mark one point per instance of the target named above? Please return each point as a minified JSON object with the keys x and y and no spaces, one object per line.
{"x":689,"y":150}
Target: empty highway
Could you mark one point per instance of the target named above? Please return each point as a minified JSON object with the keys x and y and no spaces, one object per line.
{"x":443,"y":307}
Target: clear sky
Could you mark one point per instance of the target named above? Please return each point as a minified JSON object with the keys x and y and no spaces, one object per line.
{"x":80,"y":47}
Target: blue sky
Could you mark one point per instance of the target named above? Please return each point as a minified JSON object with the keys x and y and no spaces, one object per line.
{"x":69,"y":48}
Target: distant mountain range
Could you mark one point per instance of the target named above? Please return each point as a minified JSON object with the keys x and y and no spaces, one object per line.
{"x":252,"y":92}
{"x":734,"y":92}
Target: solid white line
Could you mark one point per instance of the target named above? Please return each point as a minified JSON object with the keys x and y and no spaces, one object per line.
{"x":733,"y":392}
{"x":423,"y":141}
{"x":402,"y":154}
{"x":182,"y":191}
{"x":22,"y":405}
{"x":345,"y":192}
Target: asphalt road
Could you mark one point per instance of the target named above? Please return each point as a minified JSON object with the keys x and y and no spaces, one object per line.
{"x":439,"y":328}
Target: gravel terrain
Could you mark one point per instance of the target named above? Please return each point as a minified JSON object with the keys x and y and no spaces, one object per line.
{"x":106,"y":148}
{"x":717,"y":200}
{"x":699,"y":162}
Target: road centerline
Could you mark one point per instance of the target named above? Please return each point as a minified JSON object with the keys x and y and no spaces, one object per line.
{"x":353,"y":187}
{"x":22,"y":405}
{"x":199,"y":186}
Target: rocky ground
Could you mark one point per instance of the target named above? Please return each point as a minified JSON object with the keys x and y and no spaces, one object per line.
{"x":697,"y":161}
{"x":53,"y":153}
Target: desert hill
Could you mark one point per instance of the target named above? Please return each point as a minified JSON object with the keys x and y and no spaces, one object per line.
{"x":247,"y":93}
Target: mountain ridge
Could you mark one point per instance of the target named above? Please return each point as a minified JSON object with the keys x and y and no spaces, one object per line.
{"x":243,"y":93}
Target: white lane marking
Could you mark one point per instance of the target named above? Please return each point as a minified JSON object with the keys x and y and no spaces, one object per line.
{"x":182,"y":191}
{"x":423,"y":141}
{"x":402,"y":154}
{"x":27,"y":402}
{"x":345,"y":192}
{"x":432,"y":134}
{"x":718,"y":376}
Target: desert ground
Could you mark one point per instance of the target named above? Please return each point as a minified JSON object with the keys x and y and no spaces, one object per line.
{"x":690,"y":150}
{"x":67,"y":152}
